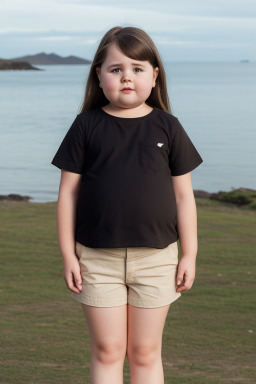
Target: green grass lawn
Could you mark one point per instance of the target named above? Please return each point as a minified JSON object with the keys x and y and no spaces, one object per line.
{"x":209,"y":336}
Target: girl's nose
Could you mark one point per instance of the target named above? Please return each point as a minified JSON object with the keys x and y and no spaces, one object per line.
{"x":126,"y":76}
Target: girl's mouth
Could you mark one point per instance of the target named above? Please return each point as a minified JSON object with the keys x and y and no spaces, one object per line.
{"x":127,"y":90}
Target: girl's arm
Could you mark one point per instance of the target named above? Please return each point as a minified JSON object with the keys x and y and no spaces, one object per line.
{"x":187,"y":228}
{"x":66,"y":216}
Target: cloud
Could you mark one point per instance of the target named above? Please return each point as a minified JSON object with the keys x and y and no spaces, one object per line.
{"x":83,"y":23}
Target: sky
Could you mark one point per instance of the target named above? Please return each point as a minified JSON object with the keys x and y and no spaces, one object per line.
{"x":183,"y":30}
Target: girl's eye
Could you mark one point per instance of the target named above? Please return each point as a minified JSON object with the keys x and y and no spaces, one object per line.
{"x":116,"y":69}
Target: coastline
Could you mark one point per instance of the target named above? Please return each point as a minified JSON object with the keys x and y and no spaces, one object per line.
{"x":239,"y":197}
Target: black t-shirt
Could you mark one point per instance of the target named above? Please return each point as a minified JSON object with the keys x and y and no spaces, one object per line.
{"x":126,"y":197}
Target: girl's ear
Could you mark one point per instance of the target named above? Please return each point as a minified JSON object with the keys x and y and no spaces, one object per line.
{"x":98,"y":72}
{"x":155,"y":74}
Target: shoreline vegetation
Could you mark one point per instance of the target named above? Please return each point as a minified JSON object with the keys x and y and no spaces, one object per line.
{"x":238,"y":197}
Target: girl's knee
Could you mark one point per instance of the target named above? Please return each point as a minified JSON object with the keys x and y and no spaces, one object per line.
{"x":108,"y":352}
{"x":144,"y":355}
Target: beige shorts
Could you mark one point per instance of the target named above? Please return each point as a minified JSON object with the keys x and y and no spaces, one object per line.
{"x":141,"y":276}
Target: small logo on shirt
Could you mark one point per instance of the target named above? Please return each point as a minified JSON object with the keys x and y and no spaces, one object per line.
{"x":160,"y":144}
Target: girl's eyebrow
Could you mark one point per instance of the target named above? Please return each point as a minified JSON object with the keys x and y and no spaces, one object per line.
{"x":119,"y":65}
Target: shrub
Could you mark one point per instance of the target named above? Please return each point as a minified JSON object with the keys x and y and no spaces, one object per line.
{"x":237,"y":196}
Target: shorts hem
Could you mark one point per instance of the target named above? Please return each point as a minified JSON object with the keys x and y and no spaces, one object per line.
{"x":98,"y":302}
{"x":132,"y":301}
{"x":153,"y":303}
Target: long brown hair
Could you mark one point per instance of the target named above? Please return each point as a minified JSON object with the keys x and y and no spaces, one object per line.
{"x":135,"y":44}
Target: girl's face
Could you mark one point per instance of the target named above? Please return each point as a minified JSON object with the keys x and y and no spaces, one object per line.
{"x":118,"y":72}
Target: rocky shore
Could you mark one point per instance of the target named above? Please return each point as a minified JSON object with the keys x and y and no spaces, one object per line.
{"x":15,"y":197}
{"x":16,"y":65}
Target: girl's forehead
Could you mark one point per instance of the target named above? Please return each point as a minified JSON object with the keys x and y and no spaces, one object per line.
{"x":114,"y":54}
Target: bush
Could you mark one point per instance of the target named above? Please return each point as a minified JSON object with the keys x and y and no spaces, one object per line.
{"x":237,"y":196}
{"x":253,"y":205}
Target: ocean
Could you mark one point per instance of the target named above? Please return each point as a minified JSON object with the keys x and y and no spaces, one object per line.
{"x":214,"y":101}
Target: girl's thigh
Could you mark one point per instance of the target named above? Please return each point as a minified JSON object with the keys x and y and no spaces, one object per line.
{"x":107,"y":327}
{"x":145,"y":329}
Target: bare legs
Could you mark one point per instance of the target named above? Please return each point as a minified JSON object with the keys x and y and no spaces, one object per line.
{"x":110,"y":341}
{"x":145,"y":329}
{"x":108,"y":333}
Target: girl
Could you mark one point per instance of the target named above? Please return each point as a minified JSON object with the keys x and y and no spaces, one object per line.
{"x":125,"y":198}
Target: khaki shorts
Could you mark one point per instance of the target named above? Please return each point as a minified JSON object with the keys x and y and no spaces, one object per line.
{"x":141,"y":276}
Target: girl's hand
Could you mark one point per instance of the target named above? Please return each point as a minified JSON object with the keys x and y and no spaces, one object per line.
{"x":186,"y":273}
{"x":72,"y":274}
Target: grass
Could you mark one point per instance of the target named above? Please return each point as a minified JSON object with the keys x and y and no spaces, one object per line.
{"x":209,"y":335}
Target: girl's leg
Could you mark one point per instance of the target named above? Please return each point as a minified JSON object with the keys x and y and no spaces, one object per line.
{"x":108,"y":334}
{"x":145,"y":329}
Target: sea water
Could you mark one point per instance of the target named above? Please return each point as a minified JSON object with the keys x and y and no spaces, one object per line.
{"x":214,"y":101}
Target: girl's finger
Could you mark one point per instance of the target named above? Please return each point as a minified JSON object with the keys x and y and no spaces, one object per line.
{"x":70,"y":284}
{"x":180,"y":278}
{"x":78,"y":282}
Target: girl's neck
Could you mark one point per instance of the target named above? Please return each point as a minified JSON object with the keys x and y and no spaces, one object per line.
{"x":140,"y":111}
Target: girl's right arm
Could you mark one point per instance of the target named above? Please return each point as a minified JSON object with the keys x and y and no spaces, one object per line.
{"x":66,"y":216}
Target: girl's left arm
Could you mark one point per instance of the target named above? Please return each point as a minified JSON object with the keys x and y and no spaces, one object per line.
{"x":187,"y":228}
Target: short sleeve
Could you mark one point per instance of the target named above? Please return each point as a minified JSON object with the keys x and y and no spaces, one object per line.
{"x":71,"y":153}
{"x":183,"y":157}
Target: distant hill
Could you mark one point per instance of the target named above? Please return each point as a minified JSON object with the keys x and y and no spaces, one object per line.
{"x":51,"y":59}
